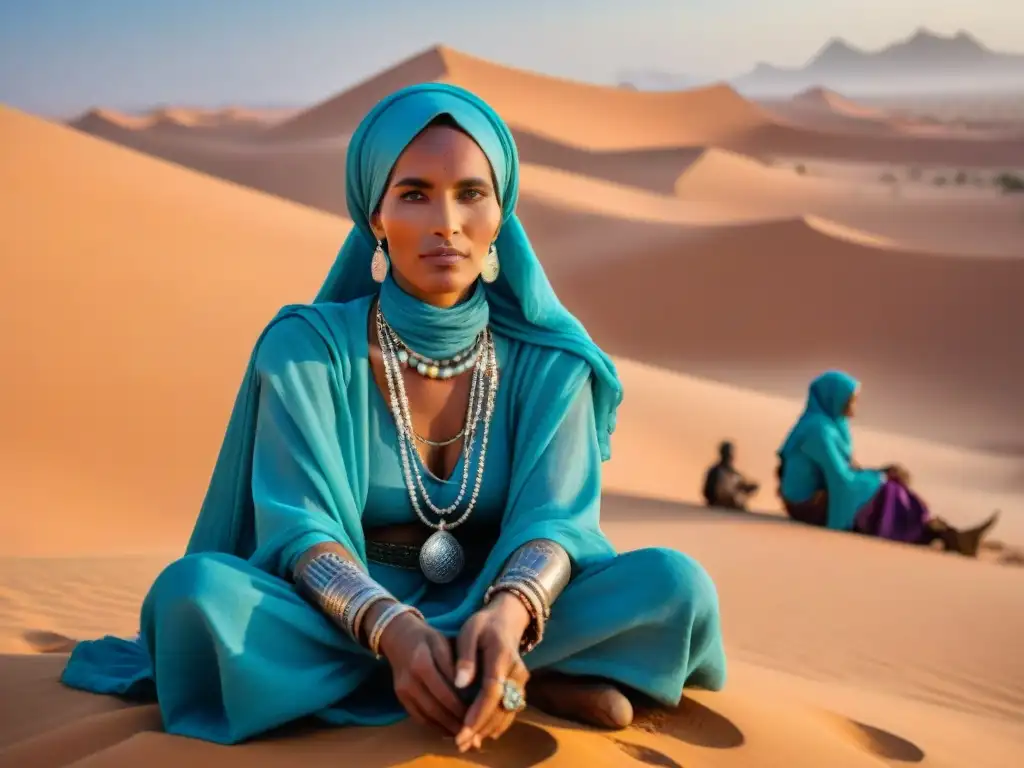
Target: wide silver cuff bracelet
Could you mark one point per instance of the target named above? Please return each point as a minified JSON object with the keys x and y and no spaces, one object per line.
{"x":342,"y":590}
{"x":543,"y":567}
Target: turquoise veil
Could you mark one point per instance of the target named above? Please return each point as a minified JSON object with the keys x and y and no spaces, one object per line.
{"x":827,"y":398}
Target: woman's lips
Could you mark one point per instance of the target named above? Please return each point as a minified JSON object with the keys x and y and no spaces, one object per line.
{"x":443,"y":256}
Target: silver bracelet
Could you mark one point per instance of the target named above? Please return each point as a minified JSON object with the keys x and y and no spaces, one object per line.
{"x":342,"y":589}
{"x":543,"y":566}
{"x":388,"y":615}
{"x":534,"y":607}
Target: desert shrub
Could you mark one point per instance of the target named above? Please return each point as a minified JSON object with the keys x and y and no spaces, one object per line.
{"x":801,"y":169}
{"x":887,"y":178}
{"x":960,"y":179}
{"x":1009,"y":182}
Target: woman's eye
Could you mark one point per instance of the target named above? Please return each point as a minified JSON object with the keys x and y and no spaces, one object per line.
{"x":471,"y":194}
{"x":413,"y":195}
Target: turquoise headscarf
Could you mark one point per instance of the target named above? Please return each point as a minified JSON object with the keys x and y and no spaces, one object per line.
{"x":827,"y":399}
{"x":523,"y":305}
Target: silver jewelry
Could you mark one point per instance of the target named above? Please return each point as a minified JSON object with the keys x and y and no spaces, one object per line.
{"x":389,"y":614}
{"x":439,"y":443}
{"x":441,"y":556}
{"x":513,"y":698}
{"x":438,"y":369}
{"x":534,"y":608}
{"x":379,"y":264}
{"x":342,"y":589}
{"x":491,"y":267}
{"x":542,"y":564}
{"x":536,"y":573}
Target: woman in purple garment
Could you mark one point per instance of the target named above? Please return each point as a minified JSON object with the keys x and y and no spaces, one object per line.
{"x":821,"y":484}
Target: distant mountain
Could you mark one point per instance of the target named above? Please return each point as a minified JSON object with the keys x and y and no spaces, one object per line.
{"x":925,"y":62}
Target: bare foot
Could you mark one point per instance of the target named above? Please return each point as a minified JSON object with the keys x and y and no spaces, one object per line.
{"x":589,"y":701}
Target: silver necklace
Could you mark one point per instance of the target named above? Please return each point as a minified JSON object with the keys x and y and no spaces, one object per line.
{"x":441,"y":556}
{"x":439,"y":443}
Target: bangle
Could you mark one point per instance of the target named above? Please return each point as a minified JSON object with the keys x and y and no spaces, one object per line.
{"x":390,"y":613}
{"x":342,"y":589}
{"x":536,"y":574}
{"x":543,"y":566}
{"x":534,"y":632}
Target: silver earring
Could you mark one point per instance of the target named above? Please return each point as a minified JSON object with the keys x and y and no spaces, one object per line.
{"x":379,"y":264}
{"x":491,"y":266}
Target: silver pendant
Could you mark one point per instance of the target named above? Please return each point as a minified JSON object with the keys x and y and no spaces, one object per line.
{"x":441,"y":558}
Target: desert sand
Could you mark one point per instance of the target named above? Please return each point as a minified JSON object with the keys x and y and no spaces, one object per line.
{"x":140,"y":262}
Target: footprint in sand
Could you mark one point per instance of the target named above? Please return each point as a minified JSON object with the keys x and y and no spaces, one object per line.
{"x":885,"y":744}
{"x":692,"y":723}
{"x":647,"y":755}
{"x":876,"y":741}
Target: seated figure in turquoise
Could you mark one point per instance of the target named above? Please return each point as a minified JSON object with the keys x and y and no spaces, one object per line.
{"x":404,"y":516}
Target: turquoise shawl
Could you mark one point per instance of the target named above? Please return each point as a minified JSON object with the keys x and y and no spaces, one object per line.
{"x":817,"y":454}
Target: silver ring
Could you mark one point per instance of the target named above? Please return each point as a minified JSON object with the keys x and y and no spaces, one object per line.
{"x":513,"y":699}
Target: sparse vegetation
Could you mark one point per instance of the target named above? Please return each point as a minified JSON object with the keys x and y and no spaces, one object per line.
{"x":961,"y":178}
{"x":1009,"y":182}
{"x":888,"y":178}
{"x":801,"y":169}
{"x":939,"y":181}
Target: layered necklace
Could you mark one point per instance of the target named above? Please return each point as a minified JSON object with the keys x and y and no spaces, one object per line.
{"x":441,"y":556}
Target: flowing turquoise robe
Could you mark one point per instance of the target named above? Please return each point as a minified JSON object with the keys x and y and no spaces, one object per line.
{"x":817,"y":454}
{"x":228,"y":647}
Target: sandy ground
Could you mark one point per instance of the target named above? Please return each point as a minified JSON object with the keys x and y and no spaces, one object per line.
{"x":136,"y":278}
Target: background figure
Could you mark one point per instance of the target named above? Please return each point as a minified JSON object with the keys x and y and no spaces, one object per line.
{"x":820,"y":483}
{"x":724,"y":485}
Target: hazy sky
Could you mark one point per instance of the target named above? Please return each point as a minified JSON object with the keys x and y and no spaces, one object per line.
{"x":60,"y":56}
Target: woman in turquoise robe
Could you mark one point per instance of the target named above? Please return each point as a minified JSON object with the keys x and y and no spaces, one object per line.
{"x":228,"y":646}
{"x":821,"y":483}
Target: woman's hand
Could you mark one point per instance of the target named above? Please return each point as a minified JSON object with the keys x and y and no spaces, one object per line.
{"x":899,"y":474}
{"x":491,"y":635}
{"x":423,"y":671}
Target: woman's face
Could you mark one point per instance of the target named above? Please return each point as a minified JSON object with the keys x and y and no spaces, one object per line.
{"x":439,"y":215}
{"x":851,"y":406}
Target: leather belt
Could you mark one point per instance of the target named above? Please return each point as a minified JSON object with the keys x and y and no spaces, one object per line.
{"x":407,"y":556}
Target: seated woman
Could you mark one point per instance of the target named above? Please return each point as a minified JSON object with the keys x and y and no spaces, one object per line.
{"x":724,"y":485}
{"x":414,"y":463}
{"x":821,"y":484}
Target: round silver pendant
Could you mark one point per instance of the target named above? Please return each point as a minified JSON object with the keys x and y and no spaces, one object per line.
{"x":441,"y":558}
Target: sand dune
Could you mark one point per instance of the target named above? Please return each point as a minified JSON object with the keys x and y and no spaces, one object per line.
{"x":564,"y":111}
{"x":767,"y":304}
{"x":719,"y":174}
{"x":138,"y":239}
{"x":229,"y":122}
{"x":587,"y":116}
{"x":134,"y":288}
{"x":821,"y":109}
{"x":831,"y":101}
{"x":311,"y":172}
